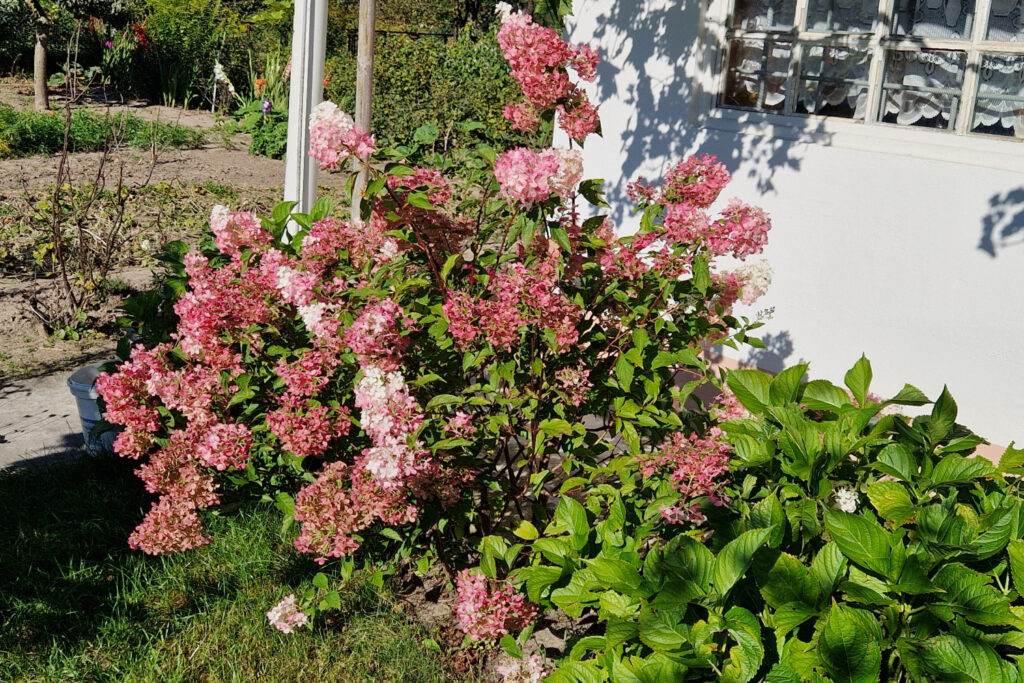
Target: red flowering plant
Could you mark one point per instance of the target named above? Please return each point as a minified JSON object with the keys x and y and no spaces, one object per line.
{"x":464,"y":361}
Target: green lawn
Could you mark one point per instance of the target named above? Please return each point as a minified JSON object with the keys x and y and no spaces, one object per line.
{"x":77,"y":604}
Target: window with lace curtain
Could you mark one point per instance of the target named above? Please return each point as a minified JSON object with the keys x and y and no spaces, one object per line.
{"x":955,"y":65}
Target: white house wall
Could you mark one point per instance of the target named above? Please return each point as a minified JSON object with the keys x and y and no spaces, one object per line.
{"x":879,"y":246}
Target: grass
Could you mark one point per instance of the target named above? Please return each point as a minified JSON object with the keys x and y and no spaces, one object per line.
{"x":24,"y":133}
{"x":76,"y":604}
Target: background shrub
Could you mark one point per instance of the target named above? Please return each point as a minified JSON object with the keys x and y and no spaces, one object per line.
{"x":431,"y":79}
{"x":24,"y":133}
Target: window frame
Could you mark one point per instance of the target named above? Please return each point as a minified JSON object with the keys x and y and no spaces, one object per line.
{"x":871,"y":134}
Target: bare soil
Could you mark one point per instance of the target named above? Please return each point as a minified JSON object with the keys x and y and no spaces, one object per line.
{"x":27,"y":347}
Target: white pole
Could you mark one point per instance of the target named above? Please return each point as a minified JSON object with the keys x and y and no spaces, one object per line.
{"x":309,"y":50}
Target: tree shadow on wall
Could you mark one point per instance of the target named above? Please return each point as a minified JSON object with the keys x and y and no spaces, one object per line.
{"x":648,"y":47}
{"x":1003,"y":225}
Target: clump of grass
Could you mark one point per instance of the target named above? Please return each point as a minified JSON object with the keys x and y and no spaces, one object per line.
{"x":77,"y":604}
{"x":24,"y":133}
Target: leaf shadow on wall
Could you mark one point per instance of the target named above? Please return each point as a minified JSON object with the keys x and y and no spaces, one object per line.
{"x":1003,"y":225}
{"x":648,"y":47}
{"x":773,"y":358}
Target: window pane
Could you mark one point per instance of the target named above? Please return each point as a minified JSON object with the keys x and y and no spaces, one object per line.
{"x":757,"y":76}
{"x":761,"y":15}
{"x":922,"y":88}
{"x":842,"y":16}
{"x":999,"y":109}
{"x":1006,"y":21}
{"x":833,"y":81}
{"x":950,"y":19}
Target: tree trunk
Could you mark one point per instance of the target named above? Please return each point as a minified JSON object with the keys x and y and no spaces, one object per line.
{"x":42,"y":100}
{"x":364,"y":85}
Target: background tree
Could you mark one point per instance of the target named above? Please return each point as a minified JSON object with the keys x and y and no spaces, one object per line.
{"x":41,"y":14}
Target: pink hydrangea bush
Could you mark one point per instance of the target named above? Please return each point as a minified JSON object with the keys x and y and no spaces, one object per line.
{"x":445,"y":365}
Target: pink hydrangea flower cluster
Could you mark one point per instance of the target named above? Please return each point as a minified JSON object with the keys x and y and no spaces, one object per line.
{"x":527,"y":176}
{"x":342,"y":501}
{"x":728,"y":407}
{"x":178,"y":471}
{"x":486,"y":613}
{"x":225,"y":445}
{"x":286,"y":616}
{"x":461,"y":425}
{"x":436,"y":186}
{"x":236,"y":230}
{"x":696,"y":467}
{"x":741,"y":232}
{"x":333,"y":137}
{"x":167,"y":528}
{"x":520,"y":296}
{"x":306,"y":428}
{"x":539,"y":60}
{"x":390,"y":417}
{"x":127,"y":402}
{"x":574,"y":384}
{"x":376,"y":335}
{"x":363,"y":243}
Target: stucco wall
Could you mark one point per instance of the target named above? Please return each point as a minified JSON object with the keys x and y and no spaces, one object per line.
{"x":915,"y":261}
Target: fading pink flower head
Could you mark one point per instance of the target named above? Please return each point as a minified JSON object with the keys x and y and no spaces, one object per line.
{"x":236,"y":230}
{"x":286,"y":616}
{"x":333,"y":137}
{"x":486,"y":613}
{"x":695,"y":180}
{"x":376,"y":335}
{"x":169,"y":527}
{"x":695,"y":466}
{"x":225,"y":445}
{"x":530,"y":669}
{"x":524,"y":174}
{"x":527,"y":176}
{"x":570,"y":171}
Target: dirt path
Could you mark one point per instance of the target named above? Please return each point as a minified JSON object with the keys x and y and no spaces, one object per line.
{"x":25,"y":347}
{"x":234,"y":167}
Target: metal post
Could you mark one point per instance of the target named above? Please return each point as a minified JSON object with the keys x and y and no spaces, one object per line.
{"x":309,"y":46}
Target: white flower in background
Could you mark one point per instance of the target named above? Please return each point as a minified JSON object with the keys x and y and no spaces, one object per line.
{"x":221,"y":77}
{"x":146,"y":246}
{"x":846,"y":499}
{"x":388,"y":251}
{"x":503,"y":10}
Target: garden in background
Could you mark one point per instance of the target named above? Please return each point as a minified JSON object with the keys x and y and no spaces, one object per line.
{"x":463,"y":427}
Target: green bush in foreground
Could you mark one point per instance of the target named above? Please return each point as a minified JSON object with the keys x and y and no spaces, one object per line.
{"x":856,"y":546}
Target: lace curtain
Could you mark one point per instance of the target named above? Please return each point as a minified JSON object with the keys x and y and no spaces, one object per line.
{"x":920,"y":87}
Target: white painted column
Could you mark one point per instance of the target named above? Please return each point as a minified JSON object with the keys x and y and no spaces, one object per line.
{"x":309,"y":48}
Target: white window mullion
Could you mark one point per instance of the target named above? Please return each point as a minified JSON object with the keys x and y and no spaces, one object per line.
{"x":796,"y":57}
{"x":883,"y":23}
{"x":965,"y":112}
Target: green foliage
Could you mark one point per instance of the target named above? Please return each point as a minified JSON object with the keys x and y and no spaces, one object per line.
{"x":919,"y":582}
{"x":24,"y":133}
